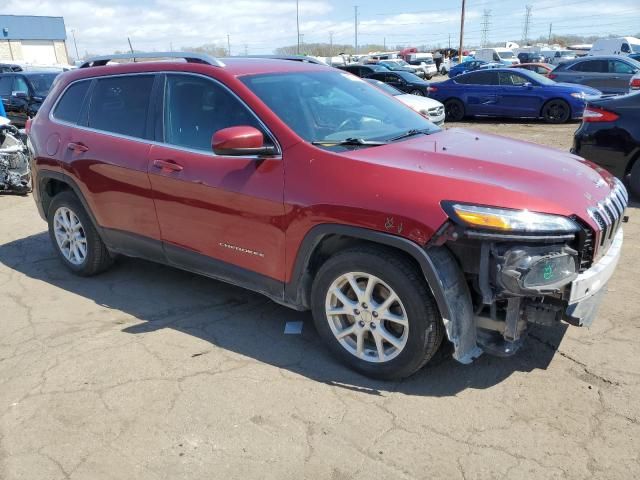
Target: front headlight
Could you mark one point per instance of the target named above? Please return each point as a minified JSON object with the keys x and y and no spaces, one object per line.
{"x":507,"y":220}
{"x":579,"y":95}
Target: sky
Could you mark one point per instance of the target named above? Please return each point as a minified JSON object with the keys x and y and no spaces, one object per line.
{"x":259,"y":26}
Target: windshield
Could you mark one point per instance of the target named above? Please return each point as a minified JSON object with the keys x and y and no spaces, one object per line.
{"x":330,"y":106}
{"x":41,"y":83}
{"x":505,"y":54}
{"x":635,"y":47}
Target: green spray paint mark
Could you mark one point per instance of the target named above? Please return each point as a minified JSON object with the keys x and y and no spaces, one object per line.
{"x":548,"y":272}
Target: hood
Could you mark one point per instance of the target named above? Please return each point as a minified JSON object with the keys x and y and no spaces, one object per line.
{"x":467,"y":166}
{"x":419,"y":103}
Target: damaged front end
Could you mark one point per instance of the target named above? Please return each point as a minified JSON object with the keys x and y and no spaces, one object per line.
{"x":15,"y":175}
{"x":523,"y":268}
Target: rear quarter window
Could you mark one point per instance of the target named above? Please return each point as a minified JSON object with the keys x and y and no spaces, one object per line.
{"x":69,"y":106}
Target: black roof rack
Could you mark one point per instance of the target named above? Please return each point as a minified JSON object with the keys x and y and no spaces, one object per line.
{"x":187,"y":56}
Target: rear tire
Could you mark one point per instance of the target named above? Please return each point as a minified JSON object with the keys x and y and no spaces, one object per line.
{"x":634,"y":179}
{"x":74,"y":237}
{"x":556,"y":111}
{"x":454,"y":110}
{"x":382,"y":342}
{"x":417,"y":93}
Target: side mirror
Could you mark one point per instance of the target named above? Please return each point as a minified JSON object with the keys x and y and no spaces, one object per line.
{"x":19,"y":94}
{"x":240,"y":141}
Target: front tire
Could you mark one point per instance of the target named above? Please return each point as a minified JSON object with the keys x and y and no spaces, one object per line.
{"x":417,"y":92}
{"x":556,"y":111}
{"x":74,"y":237}
{"x":634,"y":179}
{"x":376,"y":313}
{"x":454,"y":110}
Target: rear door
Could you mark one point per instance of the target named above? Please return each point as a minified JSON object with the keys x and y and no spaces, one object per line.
{"x":479,"y":92}
{"x":107,"y":148}
{"x":517,"y":96}
{"x":219,"y":215}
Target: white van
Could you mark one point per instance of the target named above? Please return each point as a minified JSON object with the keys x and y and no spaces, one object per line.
{"x":498,"y":54}
{"x":615,"y":46}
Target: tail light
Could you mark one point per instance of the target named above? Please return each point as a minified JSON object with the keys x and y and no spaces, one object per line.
{"x":552,"y":76}
{"x":635,"y":84}
{"x":596,"y":114}
{"x":27,"y":125}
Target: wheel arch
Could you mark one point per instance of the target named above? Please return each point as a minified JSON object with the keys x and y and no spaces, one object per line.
{"x":49,"y":183}
{"x":438,"y":265}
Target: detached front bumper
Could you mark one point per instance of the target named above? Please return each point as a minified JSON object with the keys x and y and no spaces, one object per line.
{"x":588,"y":289}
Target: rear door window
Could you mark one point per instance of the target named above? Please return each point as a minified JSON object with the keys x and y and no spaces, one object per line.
{"x":121,"y":104}
{"x":69,"y":106}
{"x":591,"y":66}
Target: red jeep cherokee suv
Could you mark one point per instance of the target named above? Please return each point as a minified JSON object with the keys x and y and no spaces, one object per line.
{"x":307,"y":184}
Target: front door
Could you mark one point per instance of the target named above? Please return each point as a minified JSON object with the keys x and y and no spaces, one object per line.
{"x":218,"y":215}
{"x":517,"y":96}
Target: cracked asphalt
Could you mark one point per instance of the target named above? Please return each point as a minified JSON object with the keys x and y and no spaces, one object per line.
{"x":147,"y":372}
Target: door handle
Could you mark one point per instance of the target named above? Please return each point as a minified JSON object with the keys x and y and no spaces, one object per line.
{"x":168,"y":165}
{"x":77,"y":147}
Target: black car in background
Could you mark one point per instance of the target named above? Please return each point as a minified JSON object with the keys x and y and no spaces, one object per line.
{"x":363,"y":70}
{"x":22,"y":93}
{"x":610,"y":136}
{"x":404,"y":81}
{"x":529,"y":57}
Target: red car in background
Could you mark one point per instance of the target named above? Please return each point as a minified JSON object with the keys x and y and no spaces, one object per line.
{"x":318,"y":190}
{"x":539,"y":68}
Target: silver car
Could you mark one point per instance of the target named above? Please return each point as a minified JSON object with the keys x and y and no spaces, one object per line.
{"x":609,"y":74}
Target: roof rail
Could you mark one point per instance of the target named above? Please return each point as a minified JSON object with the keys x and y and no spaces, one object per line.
{"x":190,"y":57}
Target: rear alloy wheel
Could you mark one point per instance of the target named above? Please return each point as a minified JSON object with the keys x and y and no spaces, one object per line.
{"x":74,"y":237}
{"x":556,"y":111}
{"x":417,"y":93}
{"x":374,"y":310}
{"x":454,"y":110}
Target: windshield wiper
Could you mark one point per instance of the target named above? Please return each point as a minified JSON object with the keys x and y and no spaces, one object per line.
{"x":349,"y":141}
{"x":411,"y":133}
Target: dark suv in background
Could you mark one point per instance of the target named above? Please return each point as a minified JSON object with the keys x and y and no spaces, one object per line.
{"x":22,"y":93}
{"x":609,"y":74}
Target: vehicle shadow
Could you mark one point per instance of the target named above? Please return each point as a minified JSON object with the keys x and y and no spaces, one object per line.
{"x":249,"y":324}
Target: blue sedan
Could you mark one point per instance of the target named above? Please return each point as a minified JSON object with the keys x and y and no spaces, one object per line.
{"x":464,"y":67}
{"x":511,"y":92}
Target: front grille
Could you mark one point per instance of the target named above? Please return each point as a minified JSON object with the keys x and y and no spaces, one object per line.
{"x":608,"y":214}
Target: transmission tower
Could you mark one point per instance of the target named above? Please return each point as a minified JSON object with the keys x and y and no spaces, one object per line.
{"x":527,"y":21}
{"x":486,"y":23}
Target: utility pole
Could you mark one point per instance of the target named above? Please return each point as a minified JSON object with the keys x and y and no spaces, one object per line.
{"x":228,"y":45}
{"x":246,"y":49}
{"x":384,"y":42}
{"x":550,"y":27}
{"x":130,"y":47}
{"x":331,"y":44}
{"x":355,"y":8}
{"x":449,"y":41}
{"x":302,"y":41}
{"x":298,"y":23}
{"x":486,"y":23}
{"x":527,"y":21}
{"x":461,"y":32}
{"x":73,"y":33}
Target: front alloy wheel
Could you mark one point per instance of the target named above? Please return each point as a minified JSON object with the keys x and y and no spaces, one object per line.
{"x":374,"y":309}
{"x":367,"y":317}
